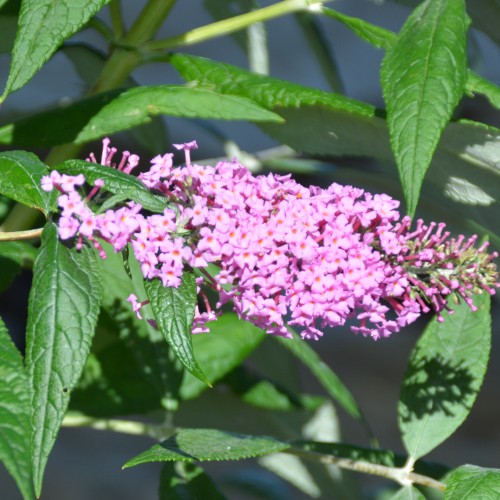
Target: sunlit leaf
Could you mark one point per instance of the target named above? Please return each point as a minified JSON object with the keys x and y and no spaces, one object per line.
{"x":423,"y":78}
{"x":15,"y":427}
{"x":173,"y":309}
{"x":43,"y":26}
{"x":20,"y":179}
{"x":130,"y":369}
{"x":444,"y":375}
{"x":193,"y":445}
{"x":115,"y":182}
{"x":118,"y":110}
{"x":470,"y":482}
{"x":63,"y":308}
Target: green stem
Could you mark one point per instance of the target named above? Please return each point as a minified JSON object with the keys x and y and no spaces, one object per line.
{"x":115,"y":12}
{"x":122,"y":62}
{"x":258,"y":56}
{"x":236,"y":23}
{"x":20,"y":235}
{"x":102,"y":28}
{"x":404,"y":476}
{"x":115,"y":425}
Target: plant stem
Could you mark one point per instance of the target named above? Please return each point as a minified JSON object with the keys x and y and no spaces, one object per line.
{"x":20,"y":235}
{"x":116,"y":425}
{"x":123,"y":61}
{"x":258,"y":57}
{"x":102,"y":28}
{"x":399,"y":475}
{"x":115,"y":12}
{"x":232,"y":24}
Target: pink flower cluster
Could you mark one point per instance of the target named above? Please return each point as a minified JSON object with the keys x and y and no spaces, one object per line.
{"x":285,"y":254}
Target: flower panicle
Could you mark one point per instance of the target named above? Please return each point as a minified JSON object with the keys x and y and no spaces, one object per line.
{"x":317,"y":257}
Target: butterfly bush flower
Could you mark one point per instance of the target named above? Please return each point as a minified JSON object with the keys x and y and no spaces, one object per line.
{"x":285,"y":254}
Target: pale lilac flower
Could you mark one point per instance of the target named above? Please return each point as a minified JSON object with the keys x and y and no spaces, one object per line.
{"x":136,"y":305}
{"x":68,"y":182}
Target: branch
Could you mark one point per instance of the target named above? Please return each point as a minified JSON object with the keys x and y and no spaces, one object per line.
{"x":20,"y":235}
{"x":232,"y":24}
{"x":131,"y":427}
{"x":400,"y":475}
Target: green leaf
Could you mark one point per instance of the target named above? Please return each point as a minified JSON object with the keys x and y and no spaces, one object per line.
{"x":331,"y":131}
{"x":466,"y":167}
{"x":183,"y":481}
{"x":408,"y":493}
{"x":173,"y":309}
{"x":130,"y":369}
{"x":193,"y":445}
{"x":335,"y":124}
{"x":20,"y":252}
{"x":317,"y":124}
{"x":261,"y":392}
{"x":59,"y":125}
{"x":382,"y":38}
{"x":115,"y":111}
{"x":423,"y":78}
{"x":15,"y":427}
{"x":444,"y":375}
{"x":470,"y":482}
{"x":20,"y":179}
{"x":375,"y":35}
{"x":230,"y":341}
{"x":265,"y":91}
{"x":485,"y":15}
{"x":63,"y":308}
{"x":135,"y":106}
{"x":115,"y":182}
{"x":14,"y":255}
{"x":43,"y":26}
{"x":122,"y":375}
{"x":476,"y":84}
{"x":326,"y":377}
